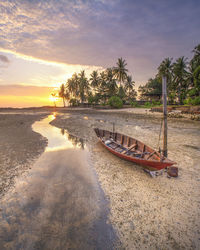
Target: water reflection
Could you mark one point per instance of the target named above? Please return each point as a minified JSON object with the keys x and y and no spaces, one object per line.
{"x":62,"y":131}
{"x":58,"y":204}
{"x":57,"y":138}
{"x":76,"y":141}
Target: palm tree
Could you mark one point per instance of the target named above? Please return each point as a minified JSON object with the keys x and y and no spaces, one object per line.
{"x":129,"y":84}
{"x":195,"y":62}
{"x":120,"y":71}
{"x":165,"y":69}
{"x":83,"y":86}
{"x":72,"y":85}
{"x":110,"y":82}
{"x":94,"y":80}
{"x":197,"y":81}
{"x":67,"y":95}
{"x":102,"y":89}
{"x":180,"y":76}
{"x":54,"y":98}
{"x":62,"y":93}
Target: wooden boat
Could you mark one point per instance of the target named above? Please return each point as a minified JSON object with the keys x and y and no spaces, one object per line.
{"x":132,"y":150}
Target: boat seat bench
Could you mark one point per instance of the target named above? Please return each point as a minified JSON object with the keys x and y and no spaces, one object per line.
{"x":129,"y":148}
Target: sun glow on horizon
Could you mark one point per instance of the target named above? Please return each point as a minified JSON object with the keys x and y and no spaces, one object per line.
{"x":53,"y":98}
{"x":25,"y":87}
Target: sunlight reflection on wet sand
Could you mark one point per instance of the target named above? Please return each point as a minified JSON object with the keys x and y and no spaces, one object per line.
{"x":58,"y":204}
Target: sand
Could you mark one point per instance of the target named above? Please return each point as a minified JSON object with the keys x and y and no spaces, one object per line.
{"x":19,"y":147}
{"x":148,"y":213}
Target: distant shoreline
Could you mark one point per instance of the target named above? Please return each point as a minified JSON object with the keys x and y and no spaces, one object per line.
{"x":174,"y":112}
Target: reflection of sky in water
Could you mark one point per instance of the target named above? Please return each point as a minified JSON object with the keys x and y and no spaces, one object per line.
{"x":58,"y":203}
{"x":57,"y":138}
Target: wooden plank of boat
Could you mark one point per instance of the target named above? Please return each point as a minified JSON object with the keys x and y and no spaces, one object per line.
{"x":130,"y":149}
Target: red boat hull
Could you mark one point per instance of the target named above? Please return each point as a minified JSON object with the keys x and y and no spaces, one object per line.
{"x":151,"y":165}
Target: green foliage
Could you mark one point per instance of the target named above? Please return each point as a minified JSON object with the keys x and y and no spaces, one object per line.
{"x":115,"y":102}
{"x":134,"y":104}
{"x":172,"y":97}
{"x":180,"y":78}
{"x":152,"y":89}
{"x":91,"y":99}
{"x":183,"y":84}
{"x":100,"y":86}
{"x":195,"y":62}
{"x":147,"y":105}
{"x":192,"y":92}
{"x":74,"y":102}
{"x":62,"y":93}
{"x":187,"y":101}
{"x":183,"y":80}
{"x":156,"y":103}
{"x":129,"y":89}
{"x":192,"y":101}
{"x":196,"y":100}
{"x":197,"y":79}
{"x":121,"y":93}
{"x":120,"y":71}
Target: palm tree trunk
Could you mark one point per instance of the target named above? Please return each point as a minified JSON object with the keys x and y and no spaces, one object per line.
{"x":63,"y":102}
{"x":179,"y":95}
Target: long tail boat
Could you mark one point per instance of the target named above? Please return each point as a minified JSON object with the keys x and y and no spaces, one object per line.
{"x":132,"y":150}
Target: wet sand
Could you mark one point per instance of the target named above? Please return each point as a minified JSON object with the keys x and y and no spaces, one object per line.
{"x":19,"y":146}
{"x":148,"y":213}
{"x":58,"y":204}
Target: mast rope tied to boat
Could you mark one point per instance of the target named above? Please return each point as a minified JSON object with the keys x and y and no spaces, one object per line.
{"x":158,"y":146}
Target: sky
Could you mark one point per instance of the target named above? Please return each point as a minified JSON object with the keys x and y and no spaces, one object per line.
{"x":43,"y":42}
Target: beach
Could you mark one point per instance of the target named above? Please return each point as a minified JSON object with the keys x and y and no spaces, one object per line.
{"x":19,"y":146}
{"x":146,"y":212}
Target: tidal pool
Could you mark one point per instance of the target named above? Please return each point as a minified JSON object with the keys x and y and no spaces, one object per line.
{"x":59,"y":203}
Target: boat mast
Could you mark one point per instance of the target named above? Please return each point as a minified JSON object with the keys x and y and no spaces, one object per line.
{"x":164,"y":95}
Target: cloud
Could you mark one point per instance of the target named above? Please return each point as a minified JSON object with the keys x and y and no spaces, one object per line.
{"x":97,"y":32}
{"x":4,"y":59}
{"x":27,"y":70}
{"x":20,"y":90}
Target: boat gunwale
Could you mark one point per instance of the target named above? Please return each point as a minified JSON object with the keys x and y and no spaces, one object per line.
{"x":166,"y":160}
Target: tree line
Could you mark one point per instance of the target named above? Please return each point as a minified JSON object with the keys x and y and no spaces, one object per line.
{"x":183,"y":80}
{"x":113,"y":86}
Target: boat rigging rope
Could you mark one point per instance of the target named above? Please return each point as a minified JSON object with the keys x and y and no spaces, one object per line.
{"x":160,"y":134}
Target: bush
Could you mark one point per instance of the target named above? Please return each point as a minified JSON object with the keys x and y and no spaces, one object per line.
{"x":147,"y":105}
{"x":74,"y":102}
{"x":134,"y":104}
{"x":192,"y":101}
{"x":156,"y":103}
{"x":91,"y":99}
{"x":192,"y":92}
{"x":187,"y":101}
{"x":115,"y":102}
{"x":196,"y":100}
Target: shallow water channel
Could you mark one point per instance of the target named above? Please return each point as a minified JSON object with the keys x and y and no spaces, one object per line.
{"x":59,"y":203}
